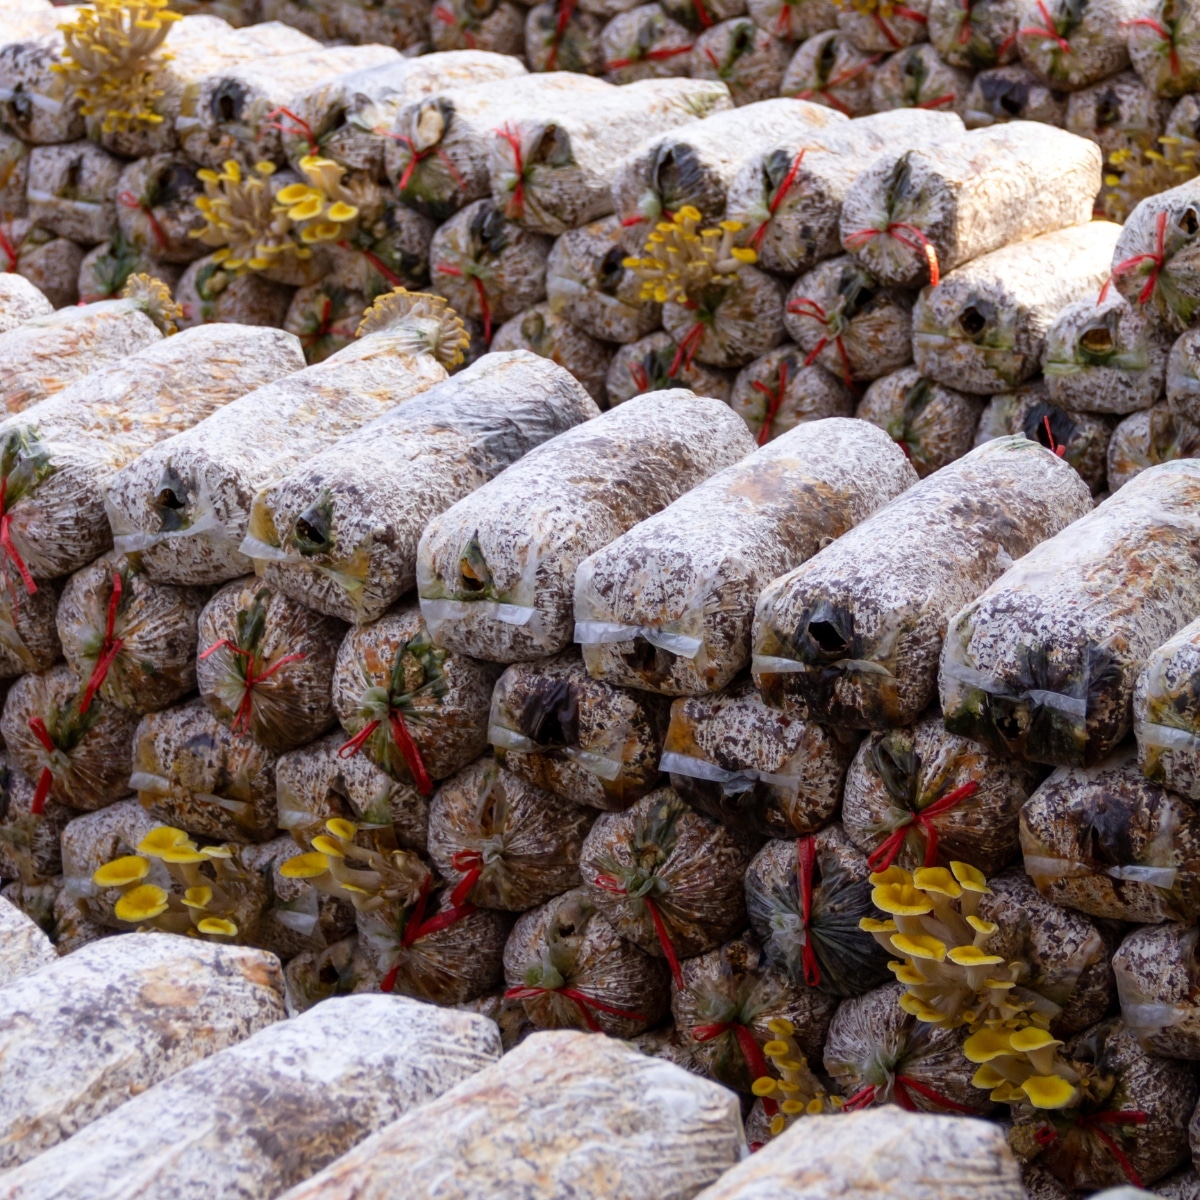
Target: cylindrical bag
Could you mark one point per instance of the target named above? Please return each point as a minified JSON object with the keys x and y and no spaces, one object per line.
{"x":502,"y":843}
{"x":583,"y":739}
{"x":588,"y":283}
{"x":975,"y":34}
{"x":386,"y":252}
{"x":495,"y":25}
{"x":880,"y":26}
{"x":931,"y":423}
{"x":853,"y":636}
{"x":925,"y":797}
{"x":341,"y":969}
{"x":233,"y":112}
{"x":745,"y":765}
{"x":439,"y":144}
{"x":77,"y":758}
{"x":29,"y":640}
{"x":793,"y":20}
{"x":324,"y":318}
{"x":348,"y":117}
{"x":1133,"y":1129}
{"x":20,"y":301}
{"x":340,"y":530}
{"x":191,"y":772}
{"x":161,"y":978}
{"x":699,"y":15}
{"x":36,"y":101}
{"x":14,"y":174}
{"x":315,"y":783}
{"x":1163,"y":48}
{"x":1120,"y":114}
{"x":669,"y":605}
{"x":561,"y":37}
{"x":567,"y":969}
{"x":1166,"y":713}
{"x":96,"y":838}
{"x":496,"y":572}
{"x":50,"y":263}
{"x":657,"y":363}
{"x":1012,"y":93}
{"x":1183,"y":377}
{"x":209,"y":292}
{"x":30,"y":846}
{"x":419,"y":711}
{"x":1078,"y":438}
{"x":776,"y":393}
{"x":185,"y":504}
{"x":829,"y":70}
{"x":746,"y":58}
{"x":1146,"y":439}
{"x":1153,"y":260}
{"x":1042,"y":664}
{"x":46,"y":354}
{"x":553,"y":171}
{"x":1156,"y":968}
{"x":916,"y":77}
{"x":848,"y":322}
{"x":953,"y":201}
{"x":694,"y":167}
{"x":790,"y":195}
{"x":541,"y":331}
{"x":129,"y":640}
{"x":983,"y":328}
{"x":877,"y":1053}
{"x":1072,"y":45}
{"x":156,"y":210}
{"x":58,"y":457}
{"x":487,"y":266}
{"x":72,"y":190}
{"x":1104,"y":356}
{"x":727,"y":1003}
{"x":1108,"y":842}
{"x":668,"y":879}
{"x":266,"y":664}
{"x":644,"y":43}
{"x":805,"y":898}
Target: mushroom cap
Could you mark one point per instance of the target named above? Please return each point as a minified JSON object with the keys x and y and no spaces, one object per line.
{"x":1033,"y":1038}
{"x":1049,"y":1091}
{"x":987,"y":1077}
{"x":920,"y":945}
{"x":937,"y":879}
{"x":901,"y":899}
{"x":183,"y":854}
{"x":893,"y":874}
{"x":218,"y":926}
{"x":872,"y":925}
{"x":304,"y":866}
{"x":981,"y":926}
{"x":198,"y":897}
{"x":973,"y":956}
{"x":781,"y":1027}
{"x":141,"y":903}
{"x":987,"y":1044}
{"x":971,"y":878}
{"x":341,"y":828}
{"x":923,"y":1011}
{"x":905,"y":972}
{"x":121,"y":871}
{"x":328,"y":846}
{"x":162,"y":839}
{"x":222,"y":851}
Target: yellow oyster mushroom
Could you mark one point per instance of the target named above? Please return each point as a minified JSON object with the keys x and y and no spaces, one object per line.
{"x":342,"y":212}
{"x":158,"y":841}
{"x":341,"y":828}
{"x":872,"y":925}
{"x":730,"y":226}
{"x":905,"y":972}
{"x":764,"y":1086}
{"x":265,"y":168}
{"x":218,"y":926}
{"x":231,"y":170}
{"x":893,"y":874}
{"x":781,"y":1027}
{"x":988,"y":1077}
{"x":901,"y":900}
{"x":981,"y":926}
{"x":1049,"y":1091}
{"x":987,"y":1044}
{"x":973,"y":956}
{"x":743,"y":254}
{"x":971,"y":878}
{"x":141,"y":904}
{"x":183,"y":854}
{"x":328,"y":846}
{"x":687,"y":213}
{"x":292,"y":194}
{"x":221,"y":851}
{"x":1007,"y":1093}
{"x":208,"y":175}
{"x":307,"y":209}
{"x":1032,"y":1038}
{"x":776,"y":1049}
{"x":122,"y":871}
{"x":198,"y":897}
{"x":304,"y":866}
{"x":792,"y":1108}
{"x":916,"y":1007}
{"x":920,"y":945}
{"x":936,"y":879}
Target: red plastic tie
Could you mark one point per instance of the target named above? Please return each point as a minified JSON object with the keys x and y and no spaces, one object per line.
{"x":1151,"y":23}
{"x":650,"y":56}
{"x":885,"y":853}
{"x":581,"y":1001}
{"x":566,"y":9}
{"x":1047,"y":1135}
{"x":912,"y":237}
{"x":774,"y":402}
{"x":686,"y":350}
{"x":804,"y":307}
{"x":470,"y":861}
{"x":409,"y":750}
{"x":9,"y":551}
{"x":640,"y":379}
{"x":46,"y":778}
{"x":251,"y":680}
{"x":517,"y":204}
{"x":1049,"y":31}
{"x":1160,"y":235}
{"x":780,"y":192}
{"x":484,"y":308}
{"x":109,"y":648}
{"x":806,"y":860}
{"x":9,"y":253}
{"x":298,"y":128}
{"x":751,"y":1052}
{"x":609,"y":884}
{"x":129,"y":200}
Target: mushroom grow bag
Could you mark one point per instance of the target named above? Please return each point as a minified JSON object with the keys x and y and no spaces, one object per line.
{"x":1145,"y":439}
{"x":1042,"y":664}
{"x":208,"y":292}
{"x":20,"y":302}
{"x":747,"y":59}
{"x":669,"y":605}
{"x":340,"y":530}
{"x":656,"y":363}
{"x":72,"y":191}
{"x":1156,"y":969}
{"x":541,"y":331}
{"x":1166,"y":713}
{"x":916,"y":77}
{"x":829,"y":70}
{"x":777,"y":392}
{"x":853,"y":636}
{"x":1011,"y":93}
{"x":583,"y":739}
{"x":496,"y":572}
{"x":1070,"y":44}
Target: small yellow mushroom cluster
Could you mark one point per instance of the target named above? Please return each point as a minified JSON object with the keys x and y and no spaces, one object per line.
{"x":797,"y":1091}
{"x":207,"y":896}
{"x":944,"y":961}
{"x":110,"y":52}
{"x":387,"y":879}
{"x":1133,"y":173}
{"x":680,"y":261}
{"x":249,"y":230}
{"x":1023,"y":1066}
{"x":322,"y":209}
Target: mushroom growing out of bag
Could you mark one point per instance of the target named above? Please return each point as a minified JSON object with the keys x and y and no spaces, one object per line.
{"x":583,"y":739}
{"x":668,"y":879}
{"x":208,"y":292}
{"x":502,"y":843}
{"x":567,"y":968}
{"x":806,"y":897}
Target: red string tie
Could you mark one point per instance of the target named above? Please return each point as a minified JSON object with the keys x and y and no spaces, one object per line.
{"x":129,"y":200}
{"x":806,"y":859}
{"x":484,"y":309}
{"x":516,"y":207}
{"x":774,"y":401}
{"x":583,"y":1002}
{"x":751,"y":1052}
{"x":1049,"y":31}
{"x":409,"y":750}
{"x":885,"y":853}
{"x":909,"y":236}
{"x":46,"y":778}
{"x":251,"y":680}
{"x":416,"y":926}
{"x":1151,"y":23}
{"x":780,"y":192}
{"x":10,"y":255}
{"x":902,"y":1087}
{"x":109,"y":648}
{"x":1047,"y":1135}
{"x":377,"y":263}
{"x":416,"y":156}
{"x":565,"y":10}
{"x":805,"y":307}
{"x":937,"y":102}
{"x":9,"y":551}
{"x":702,"y":14}
{"x":686,"y":350}
{"x":470,"y":861}
{"x":964,"y":31}
{"x":446,"y":17}
{"x":1058,"y":448}
{"x":298,"y":127}
{"x":1155,"y":258}
{"x":660,"y":55}
{"x":609,"y":884}
{"x":640,"y":379}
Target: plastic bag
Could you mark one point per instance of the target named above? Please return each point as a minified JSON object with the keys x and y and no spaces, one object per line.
{"x":567,"y":968}
{"x":747,"y":59}
{"x":581,"y":738}
{"x":1071,"y":45}
{"x":916,"y":77}
{"x":975,"y":35}
{"x":72,"y":191}
{"x":501,"y":842}
{"x":777,"y":392}
{"x":541,"y":331}
{"x":208,"y":292}
{"x":828,"y":69}
{"x":644,"y":43}
{"x":882,"y":27}
{"x":325,"y":319}
{"x":657,"y":363}
{"x":495,"y":25}
{"x":1012,"y":93}
{"x":1166,"y":713}
{"x":20,"y":301}
{"x":1147,"y":438}
{"x":30,"y":849}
